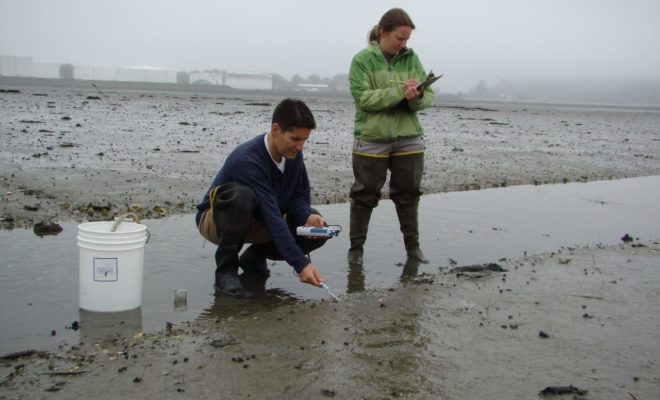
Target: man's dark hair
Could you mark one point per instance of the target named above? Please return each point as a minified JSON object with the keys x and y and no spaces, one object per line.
{"x":293,"y":113}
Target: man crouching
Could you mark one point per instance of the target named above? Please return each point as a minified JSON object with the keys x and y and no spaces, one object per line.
{"x":259,"y":196}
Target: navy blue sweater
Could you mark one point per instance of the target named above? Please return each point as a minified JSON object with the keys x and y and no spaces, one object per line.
{"x":250,"y":164}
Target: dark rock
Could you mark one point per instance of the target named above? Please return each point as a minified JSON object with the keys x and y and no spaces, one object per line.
{"x":219,"y":343}
{"x":24,"y":353}
{"x":99,"y":207}
{"x":479,"y":268}
{"x":56,"y":387}
{"x":563,"y":390}
{"x":477,"y":271}
{"x":47,"y":228}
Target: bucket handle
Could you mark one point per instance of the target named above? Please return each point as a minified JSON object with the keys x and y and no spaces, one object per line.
{"x":121,"y":218}
{"x":135,"y":219}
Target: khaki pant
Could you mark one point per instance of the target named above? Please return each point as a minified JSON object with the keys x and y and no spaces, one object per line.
{"x":230,"y":222}
{"x":257,"y":232}
{"x":404,"y":158}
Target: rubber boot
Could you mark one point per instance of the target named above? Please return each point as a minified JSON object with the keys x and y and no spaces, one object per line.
{"x":410,"y":268}
{"x":360,"y":216}
{"x":405,"y":180}
{"x":234,"y":206}
{"x":370,"y":174}
{"x":253,"y":262}
{"x":409,"y":227}
{"x":227,"y":281}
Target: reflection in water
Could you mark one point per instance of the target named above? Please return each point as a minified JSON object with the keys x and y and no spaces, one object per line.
{"x":387,"y":345}
{"x":97,"y":327}
{"x":355,"y":279}
{"x":180,"y":300}
{"x":355,"y":282}
{"x":264,"y":300}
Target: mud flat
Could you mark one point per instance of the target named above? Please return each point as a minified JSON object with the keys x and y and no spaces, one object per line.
{"x":577,"y":317}
{"x":76,"y":154}
{"x":581,"y":317}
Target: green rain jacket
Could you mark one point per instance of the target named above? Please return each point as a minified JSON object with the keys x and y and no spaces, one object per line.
{"x":381,"y":112}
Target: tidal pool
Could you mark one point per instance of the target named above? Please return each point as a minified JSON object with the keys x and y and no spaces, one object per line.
{"x":39,"y":275}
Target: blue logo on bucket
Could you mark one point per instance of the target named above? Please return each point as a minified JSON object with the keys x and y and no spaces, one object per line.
{"x":105,"y":270}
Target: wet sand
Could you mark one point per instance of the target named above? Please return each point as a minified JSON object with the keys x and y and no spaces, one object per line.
{"x":582,"y":316}
{"x":84,"y":155}
{"x":585,"y":317}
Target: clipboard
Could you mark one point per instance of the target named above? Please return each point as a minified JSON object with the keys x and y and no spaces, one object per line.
{"x":430,"y":79}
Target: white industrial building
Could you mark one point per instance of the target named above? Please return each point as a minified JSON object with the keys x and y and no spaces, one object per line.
{"x":25,"y":67}
{"x":206,"y":78}
{"x":145,"y":74}
{"x":15,"y":66}
{"x":249,"y":81}
{"x":89,"y":73}
{"x":235,"y":80}
{"x":312,"y":87}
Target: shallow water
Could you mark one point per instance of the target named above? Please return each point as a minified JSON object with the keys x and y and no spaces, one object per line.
{"x":38,"y":276}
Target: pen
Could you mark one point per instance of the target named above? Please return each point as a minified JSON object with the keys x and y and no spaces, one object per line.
{"x":327,"y":289}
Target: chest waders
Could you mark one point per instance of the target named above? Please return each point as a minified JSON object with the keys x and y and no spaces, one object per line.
{"x":370,"y":173}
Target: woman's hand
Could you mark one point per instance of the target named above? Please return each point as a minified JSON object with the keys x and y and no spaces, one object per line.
{"x":410,"y":89}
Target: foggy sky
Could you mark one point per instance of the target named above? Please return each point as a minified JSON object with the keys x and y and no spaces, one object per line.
{"x":464,"y":40}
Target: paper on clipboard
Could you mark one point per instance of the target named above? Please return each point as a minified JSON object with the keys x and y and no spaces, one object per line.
{"x":430,"y":79}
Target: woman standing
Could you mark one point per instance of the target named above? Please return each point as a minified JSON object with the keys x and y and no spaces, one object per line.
{"x":383,"y":82}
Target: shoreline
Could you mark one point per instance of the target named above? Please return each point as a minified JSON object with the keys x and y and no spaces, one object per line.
{"x":550,"y":320}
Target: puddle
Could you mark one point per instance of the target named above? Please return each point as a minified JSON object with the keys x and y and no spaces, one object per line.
{"x":39,"y":276}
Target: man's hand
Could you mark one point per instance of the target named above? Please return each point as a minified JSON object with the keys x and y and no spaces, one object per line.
{"x":311,"y":275}
{"x":315,"y":220}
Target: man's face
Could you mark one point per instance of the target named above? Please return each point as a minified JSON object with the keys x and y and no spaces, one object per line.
{"x":289,"y":144}
{"x":392,"y":42}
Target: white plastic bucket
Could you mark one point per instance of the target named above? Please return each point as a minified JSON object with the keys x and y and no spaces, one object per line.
{"x":111,"y":265}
